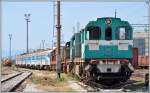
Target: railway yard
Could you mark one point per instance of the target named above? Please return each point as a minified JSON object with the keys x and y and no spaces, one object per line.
{"x":108,"y":53}
{"x":29,"y":80}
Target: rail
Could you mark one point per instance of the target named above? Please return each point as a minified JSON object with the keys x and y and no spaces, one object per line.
{"x":10,"y":84}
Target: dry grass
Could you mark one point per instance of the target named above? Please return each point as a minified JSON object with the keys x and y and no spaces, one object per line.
{"x":46,"y":80}
{"x":137,"y":79}
{"x":5,"y":70}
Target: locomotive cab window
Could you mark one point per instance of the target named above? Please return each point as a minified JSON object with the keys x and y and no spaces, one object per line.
{"x":108,"y":33}
{"x":122,"y":33}
{"x":93,"y":33}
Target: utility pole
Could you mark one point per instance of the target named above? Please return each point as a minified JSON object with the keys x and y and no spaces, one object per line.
{"x":149,"y":32}
{"x":115,"y":13}
{"x":52,"y":43}
{"x":73,"y":28}
{"x":43,"y":41}
{"x":10,"y":37}
{"x":78,"y":27}
{"x":27,"y":18}
{"x":54,"y":25}
{"x":40,"y":46}
{"x":58,"y":27}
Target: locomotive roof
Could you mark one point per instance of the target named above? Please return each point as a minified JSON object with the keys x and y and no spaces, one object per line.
{"x":108,"y":17}
{"x":95,"y":22}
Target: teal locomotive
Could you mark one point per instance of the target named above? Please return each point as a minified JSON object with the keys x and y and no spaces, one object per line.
{"x":102,"y":51}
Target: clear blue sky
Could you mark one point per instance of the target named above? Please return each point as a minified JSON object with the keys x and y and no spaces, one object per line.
{"x":41,"y":25}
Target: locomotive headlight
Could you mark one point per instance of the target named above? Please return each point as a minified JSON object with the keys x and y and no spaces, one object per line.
{"x":108,"y":21}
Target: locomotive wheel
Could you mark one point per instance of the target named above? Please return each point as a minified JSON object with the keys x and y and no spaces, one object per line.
{"x":71,"y":68}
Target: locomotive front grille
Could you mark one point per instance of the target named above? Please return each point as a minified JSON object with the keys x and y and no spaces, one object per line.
{"x":108,"y":69}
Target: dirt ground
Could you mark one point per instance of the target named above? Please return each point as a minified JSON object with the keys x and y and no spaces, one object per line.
{"x":46,"y":81}
{"x":43,"y":80}
{"x":138,"y":81}
{"x":6,"y":70}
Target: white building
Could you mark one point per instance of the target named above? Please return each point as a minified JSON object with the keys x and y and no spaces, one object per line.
{"x":140,"y":40}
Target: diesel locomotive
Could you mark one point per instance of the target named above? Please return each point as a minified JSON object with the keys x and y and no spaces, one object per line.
{"x":102,"y":51}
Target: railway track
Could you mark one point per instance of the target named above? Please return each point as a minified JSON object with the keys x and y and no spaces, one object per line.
{"x":92,"y":86}
{"x":7,"y":77}
{"x":10,"y":83}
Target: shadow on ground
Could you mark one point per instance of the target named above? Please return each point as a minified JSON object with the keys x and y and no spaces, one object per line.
{"x":137,"y":86}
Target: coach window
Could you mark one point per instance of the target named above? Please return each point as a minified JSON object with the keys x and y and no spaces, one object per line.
{"x":33,"y":58}
{"x":94,"y":33}
{"x":108,"y":33}
{"x":49,"y":55}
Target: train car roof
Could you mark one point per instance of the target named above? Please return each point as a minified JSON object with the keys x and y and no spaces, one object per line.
{"x":37,"y":51}
{"x":40,"y":51}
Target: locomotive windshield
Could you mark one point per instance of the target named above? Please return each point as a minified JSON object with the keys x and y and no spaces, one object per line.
{"x":124,"y":33}
{"x":94,"y":33}
{"x":108,"y":33}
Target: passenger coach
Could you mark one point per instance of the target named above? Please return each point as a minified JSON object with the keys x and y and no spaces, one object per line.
{"x":40,"y":59}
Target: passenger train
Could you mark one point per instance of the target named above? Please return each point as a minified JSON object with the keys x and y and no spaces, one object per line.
{"x":38,"y":59}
